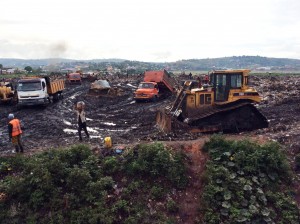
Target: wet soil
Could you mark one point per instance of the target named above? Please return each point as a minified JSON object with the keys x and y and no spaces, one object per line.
{"x":128,"y":122}
{"x":55,"y":125}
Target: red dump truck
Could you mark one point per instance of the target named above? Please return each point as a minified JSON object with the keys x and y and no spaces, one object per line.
{"x":74,"y":78}
{"x":155,"y":85}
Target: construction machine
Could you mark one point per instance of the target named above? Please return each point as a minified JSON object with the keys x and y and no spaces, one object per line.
{"x":39,"y":90}
{"x":74,"y":78}
{"x":226,"y":104}
{"x":7,"y":93}
{"x":155,"y":85}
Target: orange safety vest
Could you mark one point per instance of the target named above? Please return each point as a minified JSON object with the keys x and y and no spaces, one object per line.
{"x":16,"y":128}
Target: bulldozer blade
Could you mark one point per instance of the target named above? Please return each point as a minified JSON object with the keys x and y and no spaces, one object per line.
{"x":164,"y":121}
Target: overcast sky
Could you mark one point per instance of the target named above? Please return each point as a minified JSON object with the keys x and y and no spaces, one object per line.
{"x":156,"y":30}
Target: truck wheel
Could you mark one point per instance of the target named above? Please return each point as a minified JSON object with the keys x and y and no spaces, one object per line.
{"x":154,"y":99}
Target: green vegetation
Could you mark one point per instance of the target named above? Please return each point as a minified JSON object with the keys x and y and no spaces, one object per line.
{"x":247,"y":183}
{"x":76,"y":186}
{"x":297,"y":161}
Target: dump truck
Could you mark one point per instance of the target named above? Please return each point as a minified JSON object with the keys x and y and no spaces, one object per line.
{"x":155,"y":85}
{"x":39,"y":90}
{"x":74,"y":78}
{"x":226,"y":105}
{"x":7,"y":93}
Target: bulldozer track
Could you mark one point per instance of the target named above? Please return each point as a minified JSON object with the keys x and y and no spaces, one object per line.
{"x":220,"y":110}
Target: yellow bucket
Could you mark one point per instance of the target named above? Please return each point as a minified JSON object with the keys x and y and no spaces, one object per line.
{"x":107,"y":142}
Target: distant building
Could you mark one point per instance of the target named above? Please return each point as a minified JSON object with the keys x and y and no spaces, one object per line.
{"x":7,"y":71}
{"x":263,"y":68}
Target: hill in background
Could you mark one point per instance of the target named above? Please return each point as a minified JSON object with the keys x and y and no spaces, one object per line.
{"x":252,"y":62}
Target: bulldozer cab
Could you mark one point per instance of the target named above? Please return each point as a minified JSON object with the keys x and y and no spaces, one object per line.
{"x":225,"y":80}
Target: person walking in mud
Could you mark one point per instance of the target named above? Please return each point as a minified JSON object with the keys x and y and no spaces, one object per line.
{"x":81,"y":119}
{"x":14,"y":131}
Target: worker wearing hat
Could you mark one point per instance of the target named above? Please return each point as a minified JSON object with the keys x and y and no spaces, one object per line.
{"x":14,"y":131}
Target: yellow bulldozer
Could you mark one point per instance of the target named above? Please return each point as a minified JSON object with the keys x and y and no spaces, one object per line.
{"x":226,"y":104}
{"x":7,"y":93}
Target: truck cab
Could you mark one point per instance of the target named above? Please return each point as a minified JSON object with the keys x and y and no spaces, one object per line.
{"x":147,"y":91}
{"x":74,"y":78}
{"x":32,"y":91}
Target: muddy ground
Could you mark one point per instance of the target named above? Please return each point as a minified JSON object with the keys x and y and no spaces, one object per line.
{"x":127,"y":122}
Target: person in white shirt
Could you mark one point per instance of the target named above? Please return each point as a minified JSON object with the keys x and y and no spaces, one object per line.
{"x":81,"y":119}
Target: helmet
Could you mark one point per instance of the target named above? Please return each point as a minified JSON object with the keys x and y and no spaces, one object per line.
{"x":11,"y":116}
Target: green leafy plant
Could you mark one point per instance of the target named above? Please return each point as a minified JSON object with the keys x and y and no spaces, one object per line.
{"x":237,"y":178}
{"x":74,"y":185}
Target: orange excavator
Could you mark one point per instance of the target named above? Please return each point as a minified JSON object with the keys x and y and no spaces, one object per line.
{"x":225,"y":104}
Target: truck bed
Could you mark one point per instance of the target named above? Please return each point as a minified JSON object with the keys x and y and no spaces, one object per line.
{"x":162,"y":78}
{"x":56,"y":86}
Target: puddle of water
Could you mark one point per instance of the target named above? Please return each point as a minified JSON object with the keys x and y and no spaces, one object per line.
{"x":106,"y":115}
{"x":76,"y":94}
{"x":92,"y":130}
{"x":67,"y":130}
{"x":67,"y":122}
{"x":109,"y":123}
{"x":96,"y":136}
{"x":131,"y":85}
{"x":111,"y":130}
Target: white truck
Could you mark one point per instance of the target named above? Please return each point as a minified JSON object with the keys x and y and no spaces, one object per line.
{"x":39,"y":90}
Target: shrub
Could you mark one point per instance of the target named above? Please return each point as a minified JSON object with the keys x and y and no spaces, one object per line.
{"x":110,"y":165}
{"x":240,"y":178}
{"x":75,"y":186}
{"x":156,"y":161}
{"x":172,"y":206}
{"x":157,"y":192}
{"x":297,"y":161}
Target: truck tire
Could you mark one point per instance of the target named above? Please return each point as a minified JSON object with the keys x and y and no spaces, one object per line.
{"x":155,"y":98}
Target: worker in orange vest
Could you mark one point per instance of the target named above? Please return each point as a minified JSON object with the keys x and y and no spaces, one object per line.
{"x":14,"y":131}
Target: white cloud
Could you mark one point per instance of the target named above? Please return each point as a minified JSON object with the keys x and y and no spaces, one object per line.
{"x":149,"y":30}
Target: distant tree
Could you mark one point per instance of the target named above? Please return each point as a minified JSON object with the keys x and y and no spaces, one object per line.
{"x":38,"y":70}
{"x":28,"y":68}
{"x":1,"y":66}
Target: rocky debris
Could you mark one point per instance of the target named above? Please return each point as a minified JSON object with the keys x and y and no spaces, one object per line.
{"x":281,"y":106}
